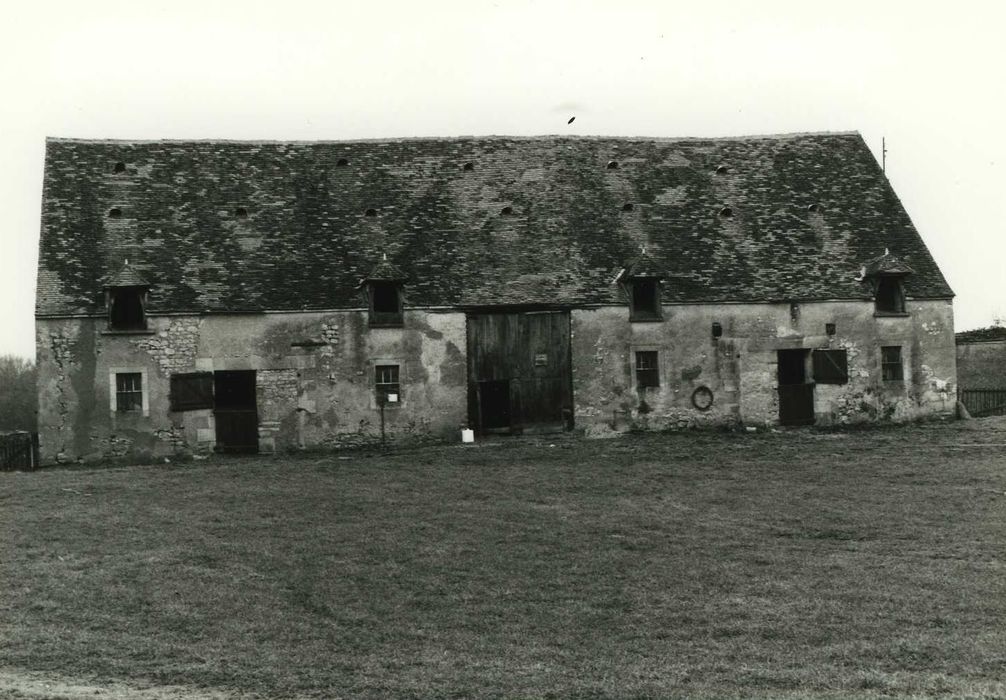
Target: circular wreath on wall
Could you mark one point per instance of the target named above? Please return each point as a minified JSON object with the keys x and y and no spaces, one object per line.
{"x":702,"y":398}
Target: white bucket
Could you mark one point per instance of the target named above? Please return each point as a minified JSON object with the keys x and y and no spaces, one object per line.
{"x":467,"y":435}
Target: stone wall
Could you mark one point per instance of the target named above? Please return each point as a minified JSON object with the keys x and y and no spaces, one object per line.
{"x":315,"y":373}
{"x":314,"y":381}
{"x":982,"y":365}
{"x":739,"y":368}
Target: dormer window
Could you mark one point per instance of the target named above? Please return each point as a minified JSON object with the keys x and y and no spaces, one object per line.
{"x":644,"y":299}
{"x":890,"y":295}
{"x":126,"y":308}
{"x":126,"y":300}
{"x":641,"y":280}
{"x":385,"y":303}
{"x":886,"y":276}
{"x":384,"y":295}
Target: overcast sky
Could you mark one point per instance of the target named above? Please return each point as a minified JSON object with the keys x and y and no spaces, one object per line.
{"x":929,"y":78}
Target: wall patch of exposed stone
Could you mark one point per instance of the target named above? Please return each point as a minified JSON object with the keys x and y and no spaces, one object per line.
{"x":277,"y":396}
{"x":175,"y":347}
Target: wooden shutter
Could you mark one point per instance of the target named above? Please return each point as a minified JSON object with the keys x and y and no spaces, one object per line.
{"x":193,"y":391}
{"x":831,"y":367}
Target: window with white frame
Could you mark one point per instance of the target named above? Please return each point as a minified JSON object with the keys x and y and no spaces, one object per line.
{"x":128,"y":392}
{"x":386,"y":383}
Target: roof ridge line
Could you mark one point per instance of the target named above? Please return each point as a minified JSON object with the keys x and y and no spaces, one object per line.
{"x":462,"y":137}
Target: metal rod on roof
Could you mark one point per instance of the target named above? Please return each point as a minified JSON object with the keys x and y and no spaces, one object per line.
{"x":883,"y":154}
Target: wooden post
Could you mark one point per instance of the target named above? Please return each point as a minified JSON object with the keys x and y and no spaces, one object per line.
{"x":381,"y":398}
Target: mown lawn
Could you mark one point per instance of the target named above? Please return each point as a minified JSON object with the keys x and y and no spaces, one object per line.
{"x":794,"y":564}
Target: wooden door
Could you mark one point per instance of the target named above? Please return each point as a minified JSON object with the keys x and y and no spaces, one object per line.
{"x":796,"y":394}
{"x":519,"y":371}
{"x":235,"y":411}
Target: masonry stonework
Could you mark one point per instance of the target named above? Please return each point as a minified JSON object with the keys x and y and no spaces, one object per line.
{"x":315,"y":374}
{"x":739,"y":368}
{"x":314,"y":386}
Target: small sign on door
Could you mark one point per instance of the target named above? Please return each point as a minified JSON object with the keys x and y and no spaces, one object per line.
{"x":541,"y":360}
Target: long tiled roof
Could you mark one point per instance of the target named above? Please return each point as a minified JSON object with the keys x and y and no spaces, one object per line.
{"x":241,"y":226}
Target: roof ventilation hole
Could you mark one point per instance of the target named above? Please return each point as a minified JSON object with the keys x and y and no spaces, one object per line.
{"x":506,"y":211}
{"x":115,"y":212}
{"x":726,"y":213}
{"x":370,"y":212}
{"x":468,"y":166}
{"x":722,"y":170}
{"x":627,"y":206}
{"x":241,"y":213}
{"x":814,"y":208}
{"x":120,"y":167}
{"x":342,"y":163}
{"x":612,"y":165}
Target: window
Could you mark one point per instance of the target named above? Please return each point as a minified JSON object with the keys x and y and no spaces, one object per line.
{"x":831,"y":366}
{"x":125,"y":309}
{"x":890,"y":363}
{"x":190,"y":392}
{"x":386,"y":383}
{"x":647,"y":371}
{"x":385,"y":304}
{"x":644,"y":300}
{"x":128,"y":392}
{"x":890,"y":297}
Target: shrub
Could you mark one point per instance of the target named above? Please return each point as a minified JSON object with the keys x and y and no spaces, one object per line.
{"x":18,"y":398}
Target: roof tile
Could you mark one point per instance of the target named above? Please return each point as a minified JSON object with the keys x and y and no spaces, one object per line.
{"x":237,"y":226}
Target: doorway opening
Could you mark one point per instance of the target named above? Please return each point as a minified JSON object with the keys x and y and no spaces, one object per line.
{"x":494,"y":402}
{"x":235,"y":411}
{"x":796,"y":394}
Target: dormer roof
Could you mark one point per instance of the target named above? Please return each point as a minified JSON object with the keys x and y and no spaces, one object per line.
{"x":384,"y":271}
{"x":127,"y":276}
{"x":886,"y":264}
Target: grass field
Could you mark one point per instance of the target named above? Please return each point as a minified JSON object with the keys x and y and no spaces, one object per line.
{"x":794,"y":564}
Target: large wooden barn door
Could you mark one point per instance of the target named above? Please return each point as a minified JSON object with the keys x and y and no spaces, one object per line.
{"x":519,"y":371}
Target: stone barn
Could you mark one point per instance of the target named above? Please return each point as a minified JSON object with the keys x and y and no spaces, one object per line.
{"x":263,"y":296}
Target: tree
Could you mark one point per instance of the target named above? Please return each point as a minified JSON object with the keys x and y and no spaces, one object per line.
{"x":18,"y":398}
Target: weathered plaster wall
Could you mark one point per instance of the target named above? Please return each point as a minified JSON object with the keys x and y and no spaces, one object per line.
{"x":982,"y":365}
{"x":315,"y":373}
{"x":314,"y":376}
{"x":740,"y":367}
{"x":76,"y":364}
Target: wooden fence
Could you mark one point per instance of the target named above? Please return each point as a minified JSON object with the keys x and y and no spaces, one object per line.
{"x":18,"y":451}
{"x":984,"y":402}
